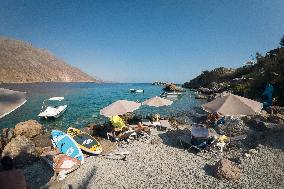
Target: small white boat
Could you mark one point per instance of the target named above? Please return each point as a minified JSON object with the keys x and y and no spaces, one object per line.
{"x":170,"y":94}
{"x":136,"y":90}
{"x":50,"y":111}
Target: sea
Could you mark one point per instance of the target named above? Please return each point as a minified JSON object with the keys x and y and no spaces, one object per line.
{"x":85,"y":100}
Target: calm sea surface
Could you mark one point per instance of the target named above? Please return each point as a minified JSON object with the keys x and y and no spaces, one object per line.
{"x":85,"y":100}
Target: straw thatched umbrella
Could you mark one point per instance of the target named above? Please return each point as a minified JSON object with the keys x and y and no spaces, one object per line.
{"x":119,"y":107}
{"x":232,"y":105}
{"x":157,"y":102}
{"x":10,"y":101}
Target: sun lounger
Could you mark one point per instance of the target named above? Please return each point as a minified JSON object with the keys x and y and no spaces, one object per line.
{"x":146,"y":122}
{"x":132,"y":126}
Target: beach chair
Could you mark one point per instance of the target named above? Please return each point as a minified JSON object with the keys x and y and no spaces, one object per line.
{"x":185,"y":141}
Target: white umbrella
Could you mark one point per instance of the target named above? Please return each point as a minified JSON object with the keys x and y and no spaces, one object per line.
{"x":157,"y":102}
{"x":10,"y":101}
{"x":233,"y":105}
{"x":119,"y":107}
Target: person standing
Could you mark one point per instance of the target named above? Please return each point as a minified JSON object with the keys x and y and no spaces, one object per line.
{"x":11,"y":178}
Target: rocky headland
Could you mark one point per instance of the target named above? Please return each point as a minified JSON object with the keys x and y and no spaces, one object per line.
{"x":249,"y":80}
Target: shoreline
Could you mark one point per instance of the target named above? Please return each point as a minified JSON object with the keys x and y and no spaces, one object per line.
{"x":161,"y":161}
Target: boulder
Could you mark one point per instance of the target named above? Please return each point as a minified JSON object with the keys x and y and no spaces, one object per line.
{"x":275,"y":110}
{"x":258,"y":125}
{"x":205,"y":90}
{"x":42,"y":140}
{"x":276,"y":118}
{"x":7,"y":135}
{"x":21,"y":149}
{"x":173,"y":87}
{"x":226,"y":169}
{"x":200,"y":97}
{"x":28,"y":129}
{"x":232,"y":127}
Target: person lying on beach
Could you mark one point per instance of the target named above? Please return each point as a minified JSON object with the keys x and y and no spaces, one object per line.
{"x":11,"y":178}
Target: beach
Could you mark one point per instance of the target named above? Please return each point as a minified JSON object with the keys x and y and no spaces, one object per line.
{"x":160,"y":162}
{"x":141,"y":94}
{"x":161,"y":158}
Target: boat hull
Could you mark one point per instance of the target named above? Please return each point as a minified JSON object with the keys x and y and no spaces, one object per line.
{"x":52,"y":112}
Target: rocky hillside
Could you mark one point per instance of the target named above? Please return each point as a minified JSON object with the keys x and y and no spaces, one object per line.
{"x":206,"y":78}
{"x":249,"y":80}
{"x":20,"y":62}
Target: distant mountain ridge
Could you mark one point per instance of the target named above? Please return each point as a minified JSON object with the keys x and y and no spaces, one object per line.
{"x":20,"y":62}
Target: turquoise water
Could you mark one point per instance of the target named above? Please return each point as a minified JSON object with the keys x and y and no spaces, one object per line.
{"x":85,"y":100}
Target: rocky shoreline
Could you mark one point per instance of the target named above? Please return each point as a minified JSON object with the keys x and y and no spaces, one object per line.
{"x":161,"y":161}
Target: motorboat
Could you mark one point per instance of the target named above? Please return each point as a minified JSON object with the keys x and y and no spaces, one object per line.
{"x":52,"y":111}
{"x":136,"y":90}
{"x":170,"y":94}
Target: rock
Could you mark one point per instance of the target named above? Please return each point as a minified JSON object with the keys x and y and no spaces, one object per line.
{"x":251,"y":120}
{"x":200,"y":97}
{"x":42,"y":141}
{"x":227,"y":169}
{"x":21,"y":149}
{"x":258,"y":125}
{"x":259,"y":147}
{"x":7,"y":135}
{"x":232,"y":127}
{"x":28,"y":129}
{"x":253,"y":151}
{"x":275,"y":110}
{"x":247,"y":155}
{"x":276,"y":118}
{"x":205,"y":91}
{"x":173,"y":87}
{"x":1,"y":146}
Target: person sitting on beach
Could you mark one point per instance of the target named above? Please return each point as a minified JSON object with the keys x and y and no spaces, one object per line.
{"x":157,"y":117}
{"x":11,"y":178}
{"x":141,"y":128}
{"x":215,"y":119}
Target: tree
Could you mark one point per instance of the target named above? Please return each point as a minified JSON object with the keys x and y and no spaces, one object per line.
{"x":258,"y":56}
{"x":282,"y":41}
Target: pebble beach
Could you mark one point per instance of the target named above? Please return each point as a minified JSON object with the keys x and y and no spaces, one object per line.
{"x":161,"y":162}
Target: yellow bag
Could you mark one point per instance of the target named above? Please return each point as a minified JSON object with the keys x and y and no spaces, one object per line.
{"x":116,"y":121}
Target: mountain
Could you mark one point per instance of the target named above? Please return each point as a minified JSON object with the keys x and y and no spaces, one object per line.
{"x":20,"y":62}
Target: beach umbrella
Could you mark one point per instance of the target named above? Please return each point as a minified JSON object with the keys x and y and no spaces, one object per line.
{"x":119,"y":107}
{"x":233,"y":105}
{"x":10,"y":100}
{"x":157,"y":102}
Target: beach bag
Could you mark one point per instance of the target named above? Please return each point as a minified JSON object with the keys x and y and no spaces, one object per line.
{"x":117,"y":122}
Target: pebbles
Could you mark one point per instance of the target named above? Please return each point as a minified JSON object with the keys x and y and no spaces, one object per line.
{"x":165,"y":166}
{"x":160,"y":162}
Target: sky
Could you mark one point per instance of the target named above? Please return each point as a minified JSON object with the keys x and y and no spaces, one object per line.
{"x":146,"y":40}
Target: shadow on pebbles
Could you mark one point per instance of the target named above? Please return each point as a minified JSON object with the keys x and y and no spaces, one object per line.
{"x":160,"y":163}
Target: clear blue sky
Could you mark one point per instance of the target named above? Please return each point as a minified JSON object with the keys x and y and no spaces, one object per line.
{"x":146,"y":40}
